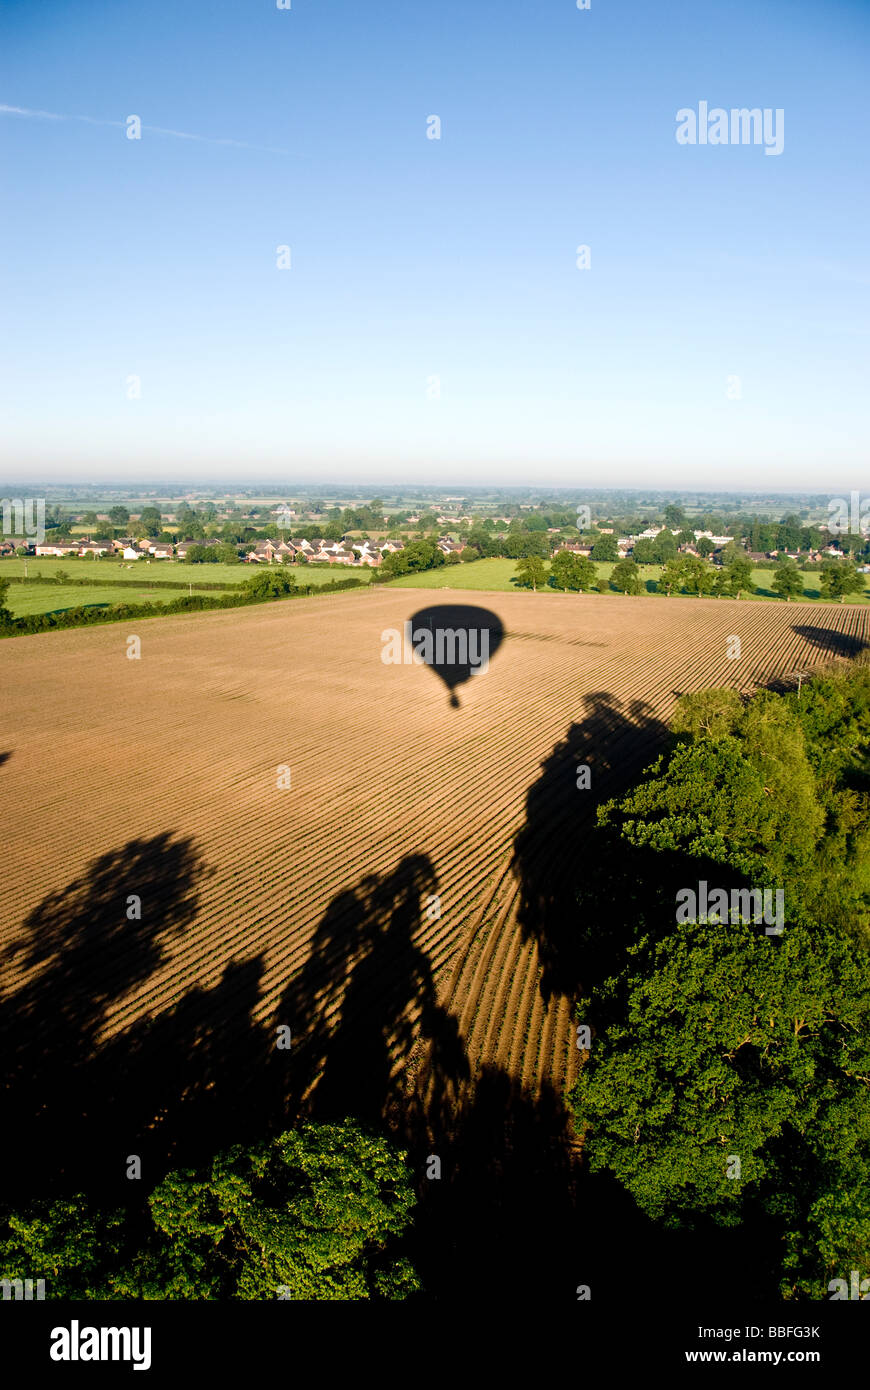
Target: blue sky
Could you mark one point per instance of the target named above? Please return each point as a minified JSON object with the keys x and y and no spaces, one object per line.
{"x":414,"y":259}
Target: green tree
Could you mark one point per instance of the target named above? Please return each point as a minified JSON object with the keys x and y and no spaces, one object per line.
{"x":119,"y":516}
{"x":626,"y":577}
{"x":675,"y":517}
{"x":664,"y":548}
{"x":149,"y":522}
{"x":5,"y":611}
{"x":839,"y":578}
{"x":571,"y":572}
{"x":787,"y":580}
{"x":316,"y":1213}
{"x":713,"y":713}
{"x":72,"y":1246}
{"x":705,"y":547}
{"x":606,"y":549}
{"x":199,"y":554}
{"x":698,"y":578}
{"x":738,"y":572}
{"x":644,"y":552}
{"x":531,"y":572}
{"x":270,"y":583}
{"x":672,"y":575}
{"x":716,"y":1041}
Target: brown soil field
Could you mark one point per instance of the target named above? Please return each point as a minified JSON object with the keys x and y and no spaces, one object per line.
{"x":311,"y":907}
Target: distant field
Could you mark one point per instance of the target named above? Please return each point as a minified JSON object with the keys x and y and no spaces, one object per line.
{"x":24,"y":599}
{"x":497,"y":576}
{"x":136,"y":571}
{"x":139,"y":571}
{"x":322,"y":574}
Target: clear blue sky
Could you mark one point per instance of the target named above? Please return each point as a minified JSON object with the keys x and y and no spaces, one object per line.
{"x":414,"y":258}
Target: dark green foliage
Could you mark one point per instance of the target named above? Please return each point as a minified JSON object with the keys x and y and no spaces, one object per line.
{"x":571,"y":572}
{"x":839,"y":578}
{"x":605,"y":548}
{"x":149,"y":522}
{"x":626,"y":577}
{"x":316,"y":1213}
{"x":416,"y":556}
{"x":787,"y":580}
{"x":531,"y":573}
{"x":270,"y":583}
{"x":718,"y":1040}
{"x":724,"y":1042}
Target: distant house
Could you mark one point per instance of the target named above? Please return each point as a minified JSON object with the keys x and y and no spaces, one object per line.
{"x":182,"y":549}
{"x":61,"y":546}
{"x":286,"y":552}
{"x":334,"y":550}
{"x":96,"y":548}
{"x":263,"y":553}
{"x":162,"y":550}
{"x":574,"y":548}
{"x":368,"y":554}
{"x":708,"y":535}
{"x":130,"y":552}
{"x":449,"y":547}
{"x":391,"y":547}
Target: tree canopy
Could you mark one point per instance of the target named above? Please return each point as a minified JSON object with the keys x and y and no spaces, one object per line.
{"x":315,"y":1213}
{"x":729,"y":1075}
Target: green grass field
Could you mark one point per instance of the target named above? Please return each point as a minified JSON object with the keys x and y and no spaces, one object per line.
{"x":134,"y":571}
{"x":322,"y":574}
{"x":24,"y":599}
{"x":141,"y":573}
{"x":496,"y":576}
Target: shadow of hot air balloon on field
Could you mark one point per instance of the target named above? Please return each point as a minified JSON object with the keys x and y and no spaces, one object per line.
{"x":457,"y":641}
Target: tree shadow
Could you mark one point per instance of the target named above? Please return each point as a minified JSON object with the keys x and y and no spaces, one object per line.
{"x":831,"y":641}
{"x":558,"y":849}
{"x":80,"y":1097}
{"x":365,"y":1001}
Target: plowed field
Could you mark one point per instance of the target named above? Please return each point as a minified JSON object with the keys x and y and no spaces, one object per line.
{"x":396,"y":798}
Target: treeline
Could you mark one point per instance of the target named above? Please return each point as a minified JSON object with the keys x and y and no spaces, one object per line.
{"x":685,"y":574}
{"x":726,"y":1080}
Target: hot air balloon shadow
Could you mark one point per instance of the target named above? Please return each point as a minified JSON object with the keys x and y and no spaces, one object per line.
{"x":457,"y":641}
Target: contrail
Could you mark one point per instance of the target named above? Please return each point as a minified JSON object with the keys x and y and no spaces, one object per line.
{"x":6,"y":110}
